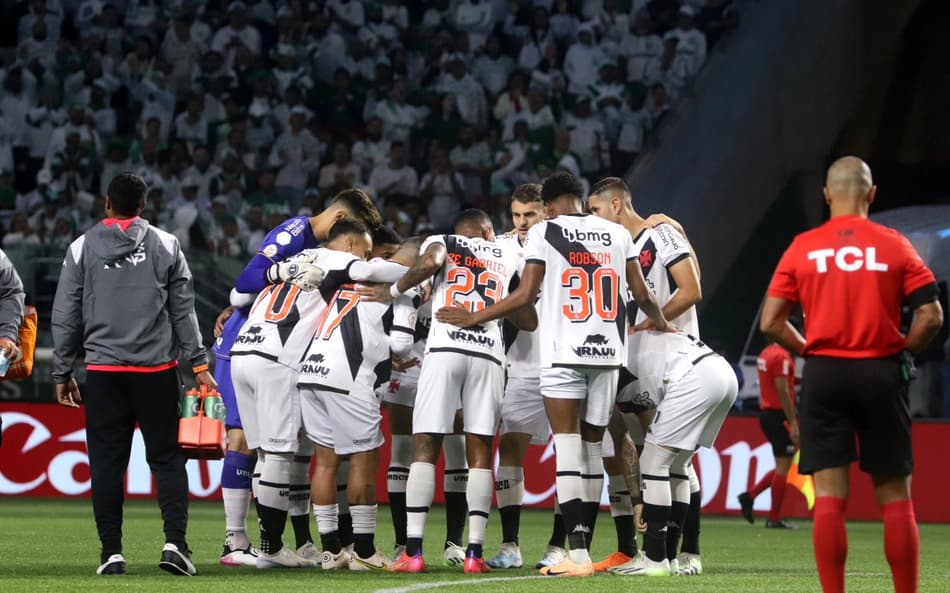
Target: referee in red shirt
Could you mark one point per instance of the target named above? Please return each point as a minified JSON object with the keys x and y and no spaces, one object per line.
{"x":851,"y":277}
{"x":776,"y":369}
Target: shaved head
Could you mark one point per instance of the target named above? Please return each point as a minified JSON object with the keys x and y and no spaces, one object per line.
{"x":850,"y":177}
{"x":849,"y":188}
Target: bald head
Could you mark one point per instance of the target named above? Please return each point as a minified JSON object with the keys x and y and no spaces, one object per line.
{"x":849,"y":177}
{"x":849,"y":188}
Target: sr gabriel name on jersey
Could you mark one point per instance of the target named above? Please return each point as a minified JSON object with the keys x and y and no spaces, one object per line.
{"x":582,"y":313}
{"x":476,"y":274}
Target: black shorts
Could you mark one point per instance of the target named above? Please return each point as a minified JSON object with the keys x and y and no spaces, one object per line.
{"x":773,"y":426}
{"x":855,"y":409}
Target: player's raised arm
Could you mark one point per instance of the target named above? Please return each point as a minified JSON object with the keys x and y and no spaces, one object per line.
{"x":644,"y":297}
{"x":524,"y":295}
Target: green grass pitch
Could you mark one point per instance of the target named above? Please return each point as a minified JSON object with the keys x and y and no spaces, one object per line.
{"x":51,"y":546}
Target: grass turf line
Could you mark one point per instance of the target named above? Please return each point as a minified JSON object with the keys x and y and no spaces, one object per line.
{"x":51,"y":546}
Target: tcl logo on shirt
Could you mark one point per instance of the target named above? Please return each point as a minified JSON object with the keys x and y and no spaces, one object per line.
{"x":847,"y":259}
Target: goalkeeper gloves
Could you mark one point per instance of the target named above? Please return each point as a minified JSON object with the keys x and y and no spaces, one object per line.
{"x":306,"y":276}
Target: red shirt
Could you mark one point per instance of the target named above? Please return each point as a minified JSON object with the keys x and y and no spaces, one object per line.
{"x":851,"y":275}
{"x":774,"y":362}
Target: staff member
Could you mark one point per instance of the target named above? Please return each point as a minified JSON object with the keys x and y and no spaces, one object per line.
{"x":125,"y":297}
{"x":851,"y":276}
{"x":778,"y":422}
{"x":11,"y":311}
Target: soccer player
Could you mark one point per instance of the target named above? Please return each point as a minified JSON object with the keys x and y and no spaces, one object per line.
{"x":462,"y":366}
{"x":693,"y":389}
{"x":264,"y":370}
{"x":348,"y":358}
{"x":583,"y":267}
{"x":399,"y":397}
{"x":523,"y":420}
{"x":780,"y":426}
{"x":672,"y":273}
{"x":289,"y":238}
{"x":851,"y":277}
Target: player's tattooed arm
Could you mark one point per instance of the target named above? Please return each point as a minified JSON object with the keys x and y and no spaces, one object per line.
{"x":424,"y":268}
{"x":645,"y":298}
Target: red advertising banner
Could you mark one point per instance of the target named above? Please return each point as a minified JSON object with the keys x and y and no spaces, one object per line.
{"x":44,"y":454}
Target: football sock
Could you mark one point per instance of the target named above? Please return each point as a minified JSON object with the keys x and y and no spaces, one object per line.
{"x":778,"y":495}
{"x":902,"y":545}
{"x":762,"y":484}
{"x":692,"y":526}
{"x":509,"y":492}
{"x":830,"y":540}
{"x":396,"y":479}
{"x":679,"y":489}
{"x":570,"y":493}
{"x":558,"y":534}
{"x":328,"y":527}
{"x":479,"y":495}
{"x":621,"y":509}
{"x":273,"y":500}
{"x":593,"y":479}
{"x":364,"y":529}
{"x":419,"y":493}
{"x":236,"y":474}
{"x":345,"y":519}
{"x":455,"y":485}
{"x":300,"y":500}
{"x":655,"y":464}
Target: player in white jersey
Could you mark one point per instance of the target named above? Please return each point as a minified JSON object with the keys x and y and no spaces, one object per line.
{"x":399,"y":397}
{"x":462,"y":366}
{"x":264,"y":360}
{"x":693,"y":389}
{"x":523,"y":420}
{"x":672,"y":273}
{"x":583,"y":267}
{"x":348,"y":358}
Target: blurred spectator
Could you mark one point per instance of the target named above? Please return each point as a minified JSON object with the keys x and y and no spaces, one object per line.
{"x":588,"y":139}
{"x":399,"y":118}
{"x":236,"y":34}
{"x":395,"y":177}
{"x":21,"y":233}
{"x":373,"y":150}
{"x":443,"y":125}
{"x":341,"y":173}
{"x":182,"y":51}
{"x":564,"y":23}
{"x":513,"y":101}
{"x":472,"y":160}
{"x":296,"y":151}
{"x":583,"y":60}
{"x":442,"y":188}
{"x":539,"y":35}
{"x":640,"y":48}
{"x":691,"y":42}
{"x":493,"y":68}
{"x":477,"y":18}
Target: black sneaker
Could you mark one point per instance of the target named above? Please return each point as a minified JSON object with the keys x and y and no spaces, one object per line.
{"x":780,"y":524}
{"x":745,"y":505}
{"x":114,"y":565}
{"x":177,"y":562}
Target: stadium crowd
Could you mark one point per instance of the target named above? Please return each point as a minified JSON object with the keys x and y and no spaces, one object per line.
{"x":239,"y":114}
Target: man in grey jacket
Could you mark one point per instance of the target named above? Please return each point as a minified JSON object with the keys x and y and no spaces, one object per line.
{"x":125,"y":298}
{"x":11,"y":308}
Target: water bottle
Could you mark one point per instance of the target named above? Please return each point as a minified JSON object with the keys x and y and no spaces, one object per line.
{"x":4,"y":363}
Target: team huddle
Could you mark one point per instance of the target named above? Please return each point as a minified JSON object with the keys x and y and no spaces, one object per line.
{"x":580,"y":323}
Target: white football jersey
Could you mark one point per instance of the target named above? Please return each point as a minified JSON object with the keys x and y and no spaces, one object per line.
{"x":657,"y":360}
{"x":582,"y":312}
{"x":659,"y":249}
{"x":418,"y":319}
{"x":283,"y":317}
{"x":522,"y":348}
{"x":349,"y":353}
{"x":476,"y":274}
